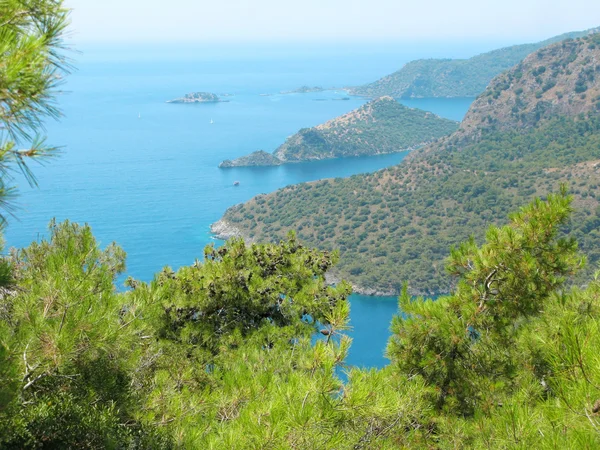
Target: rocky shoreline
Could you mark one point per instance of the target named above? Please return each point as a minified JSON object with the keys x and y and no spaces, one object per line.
{"x":259,"y":158}
{"x":223,"y":230}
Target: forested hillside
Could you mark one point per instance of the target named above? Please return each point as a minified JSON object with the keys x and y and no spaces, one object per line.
{"x":222,"y":354}
{"x":396,"y":225}
{"x":453,"y":77}
{"x":378,"y":127}
{"x":245,"y":348}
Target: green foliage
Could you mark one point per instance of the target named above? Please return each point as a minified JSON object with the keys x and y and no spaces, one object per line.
{"x":160,"y":365}
{"x":240,"y":290}
{"x":509,"y":358}
{"x":31,"y":70}
{"x":245,"y":349}
{"x":223,"y":354}
{"x":461,"y":344}
{"x":64,"y":337}
{"x":397,"y":224}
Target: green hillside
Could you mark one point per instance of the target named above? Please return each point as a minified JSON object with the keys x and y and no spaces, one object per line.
{"x":426,"y":78}
{"x":380,"y":126}
{"x":247,"y":348}
{"x":395,"y":225}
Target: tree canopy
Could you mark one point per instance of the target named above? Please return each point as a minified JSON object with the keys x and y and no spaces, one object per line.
{"x":246,"y":349}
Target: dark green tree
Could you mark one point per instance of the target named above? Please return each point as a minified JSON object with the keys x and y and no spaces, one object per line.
{"x":464,"y":344}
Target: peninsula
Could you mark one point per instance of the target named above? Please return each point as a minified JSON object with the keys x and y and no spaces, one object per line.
{"x":535,"y":127}
{"x":378,"y":127}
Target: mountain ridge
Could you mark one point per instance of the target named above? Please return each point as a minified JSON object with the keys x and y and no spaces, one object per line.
{"x":425,"y":78}
{"x":396,"y":224}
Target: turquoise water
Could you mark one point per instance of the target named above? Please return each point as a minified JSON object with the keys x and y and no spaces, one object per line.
{"x":144,"y":173}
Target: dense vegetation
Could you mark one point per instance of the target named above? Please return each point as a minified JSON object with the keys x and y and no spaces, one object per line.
{"x":453,"y":77}
{"x":210,"y":346}
{"x":558,"y":80}
{"x":396,"y":224}
{"x":243,"y":349}
{"x":381,"y":126}
{"x":219,"y":354}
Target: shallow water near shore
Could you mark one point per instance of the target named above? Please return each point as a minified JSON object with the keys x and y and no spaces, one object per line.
{"x":144,"y":173}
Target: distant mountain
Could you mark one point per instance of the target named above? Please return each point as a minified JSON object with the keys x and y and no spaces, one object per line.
{"x":535,"y":127}
{"x":380,"y":126}
{"x":426,"y":78}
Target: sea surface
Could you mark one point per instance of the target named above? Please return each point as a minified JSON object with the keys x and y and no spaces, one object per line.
{"x":144,"y":173}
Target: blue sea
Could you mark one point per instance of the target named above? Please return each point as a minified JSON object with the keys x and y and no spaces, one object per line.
{"x":143,"y":173}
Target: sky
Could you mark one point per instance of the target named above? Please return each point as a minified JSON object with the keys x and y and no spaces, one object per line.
{"x":147,"y":21}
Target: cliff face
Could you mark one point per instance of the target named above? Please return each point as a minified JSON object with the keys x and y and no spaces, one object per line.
{"x":453,"y":77}
{"x":397,"y":224}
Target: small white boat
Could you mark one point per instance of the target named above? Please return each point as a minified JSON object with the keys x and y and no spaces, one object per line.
{"x":139,"y":115}
{"x":211,"y":121}
{"x":236,"y":183}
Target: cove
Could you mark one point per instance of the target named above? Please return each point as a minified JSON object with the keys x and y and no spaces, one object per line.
{"x":143,"y":173}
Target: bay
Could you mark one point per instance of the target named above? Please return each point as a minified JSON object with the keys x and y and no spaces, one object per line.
{"x":144,"y":173}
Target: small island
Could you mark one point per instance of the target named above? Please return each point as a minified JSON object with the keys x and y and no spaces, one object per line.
{"x":198,"y":97}
{"x":255,"y":159}
{"x":305,"y":90}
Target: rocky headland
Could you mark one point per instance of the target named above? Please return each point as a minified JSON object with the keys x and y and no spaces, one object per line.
{"x":255,"y":159}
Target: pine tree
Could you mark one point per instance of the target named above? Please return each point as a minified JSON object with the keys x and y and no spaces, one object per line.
{"x":32,"y":68}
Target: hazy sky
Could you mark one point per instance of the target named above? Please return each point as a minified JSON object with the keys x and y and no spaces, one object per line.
{"x":329,"y":20}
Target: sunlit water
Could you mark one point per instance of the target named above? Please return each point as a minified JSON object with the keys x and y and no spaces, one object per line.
{"x":144,"y":173}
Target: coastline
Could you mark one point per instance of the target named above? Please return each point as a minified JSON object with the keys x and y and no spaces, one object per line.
{"x":326,"y":158}
{"x":223,"y":230}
